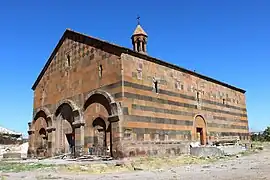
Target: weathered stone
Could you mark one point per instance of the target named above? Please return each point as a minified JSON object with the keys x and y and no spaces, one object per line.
{"x":206,"y":151}
{"x":163,"y":106}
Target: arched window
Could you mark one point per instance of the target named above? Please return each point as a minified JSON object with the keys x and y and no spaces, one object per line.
{"x":138,"y":46}
{"x":68,"y":60}
{"x":100,"y":69}
{"x":143,"y":47}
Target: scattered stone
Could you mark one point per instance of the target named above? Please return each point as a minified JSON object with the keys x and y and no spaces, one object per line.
{"x":238,"y":155}
{"x":119,"y":163}
{"x":160,"y":170}
{"x":207,"y":166}
{"x":84,"y":168}
{"x":137,"y":169}
{"x":187,"y":168}
{"x":206,"y":152}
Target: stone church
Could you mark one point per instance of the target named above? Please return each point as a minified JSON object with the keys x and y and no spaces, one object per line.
{"x":96,"y":97}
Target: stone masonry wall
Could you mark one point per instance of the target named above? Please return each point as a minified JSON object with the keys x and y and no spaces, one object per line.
{"x":73,"y":79}
{"x":166,"y":115}
{"x":159,"y":104}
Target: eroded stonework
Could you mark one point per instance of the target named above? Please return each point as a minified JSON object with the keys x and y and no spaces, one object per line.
{"x":93,"y":97}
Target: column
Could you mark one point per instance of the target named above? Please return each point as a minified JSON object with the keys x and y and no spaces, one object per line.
{"x":145,"y":46}
{"x":116,"y":147}
{"x":31,"y":145}
{"x":79,"y":137}
{"x":135,"y":46}
{"x":51,"y":140}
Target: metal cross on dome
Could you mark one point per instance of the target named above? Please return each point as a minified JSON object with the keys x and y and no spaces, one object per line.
{"x":138,"y":19}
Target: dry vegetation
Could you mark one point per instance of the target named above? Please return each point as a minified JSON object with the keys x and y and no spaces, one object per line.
{"x":52,"y":171}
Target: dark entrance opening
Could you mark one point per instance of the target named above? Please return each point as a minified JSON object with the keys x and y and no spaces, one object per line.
{"x":71,"y":142}
{"x":100,"y":137}
{"x":42,"y":143}
{"x":199,"y":132}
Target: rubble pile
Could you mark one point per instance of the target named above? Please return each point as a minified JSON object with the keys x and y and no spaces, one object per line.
{"x":12,"y":143}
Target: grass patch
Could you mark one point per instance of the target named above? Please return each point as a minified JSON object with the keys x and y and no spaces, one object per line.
{"x":142,"y":163}
{"x":95,"y":168}
{"x":152,"y":163}
{"x":18,"y":167}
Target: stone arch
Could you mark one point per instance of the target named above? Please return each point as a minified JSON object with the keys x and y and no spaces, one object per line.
{"x":200,"y":129}
{"x":38,"y":137}
{"x":42,"y":111}
{"x":113,"y":111}
{"x":76,"y":110}
{"x":66,"y":113}
{"x":104,"y":98}
{"x":99,"y":126}
{"x":69,"y":102}
{"x":42,"y":132}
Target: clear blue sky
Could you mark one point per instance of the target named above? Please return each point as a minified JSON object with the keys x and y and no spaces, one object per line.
{"x":227,"y":40}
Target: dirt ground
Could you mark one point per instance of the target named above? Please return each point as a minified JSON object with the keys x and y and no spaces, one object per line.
{"x":254,"y":166}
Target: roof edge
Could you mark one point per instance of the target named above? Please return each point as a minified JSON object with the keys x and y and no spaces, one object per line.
{"x":50,"y":59}
{"x":131,"y":52}
{"x":176,"y":67}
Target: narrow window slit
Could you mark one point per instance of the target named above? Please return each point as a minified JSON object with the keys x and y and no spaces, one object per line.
{"x":100,"y":70}
{"x":156,"y":86}
{"x":68,"y":60}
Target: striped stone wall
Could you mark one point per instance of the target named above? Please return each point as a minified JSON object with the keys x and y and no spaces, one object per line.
{"x":167,"y":113}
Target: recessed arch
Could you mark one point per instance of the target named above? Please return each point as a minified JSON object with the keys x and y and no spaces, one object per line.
{"x":65,"y":115}
{"x":42,"y":131}
{"x":41,"y":121}
{"x":200,"y":129}
{"x":104,"y":98}
{"x":113,"y":110}
{"x":42,"y":112}
{"x":99,"y":122}
{"x":69,"y":102}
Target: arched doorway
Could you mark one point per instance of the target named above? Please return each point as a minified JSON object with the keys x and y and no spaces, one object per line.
{"x":38,"y":141}
{"x":65,"y":133}
{"x":99,"y":123}
{"x":200,"y":131}
{"x":43,"y":142}
{"x":100,"y":142}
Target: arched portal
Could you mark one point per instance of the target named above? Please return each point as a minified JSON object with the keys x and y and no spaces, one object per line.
{"x":65,"y":133}
{"x":200,"y":131}
{"x":101,"y":114}
{"x":38,"y":141}
{"x":100,"y":142}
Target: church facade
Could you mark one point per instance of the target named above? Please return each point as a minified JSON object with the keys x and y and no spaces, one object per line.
{"x":95,"y":97}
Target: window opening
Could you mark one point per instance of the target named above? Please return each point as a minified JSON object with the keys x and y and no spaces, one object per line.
{"x":198,"y":96}
{"x":100,"y":69}
{"x":68,"y":60}
{"x":138,"y":46}
{"x":156,"y":86}
{"x":143,"y":49}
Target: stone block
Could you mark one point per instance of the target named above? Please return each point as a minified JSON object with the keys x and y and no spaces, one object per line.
{"x":12,"y":156}
{"x":206,"y":152}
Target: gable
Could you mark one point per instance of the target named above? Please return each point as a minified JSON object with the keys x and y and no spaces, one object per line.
{"x":44,"y":69}
{"x":118,"y":50}
{"x":58,"y":61}
{"x":77,"y":46}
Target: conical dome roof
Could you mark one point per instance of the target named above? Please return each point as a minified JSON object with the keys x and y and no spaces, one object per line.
{"x":139,"y":31}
